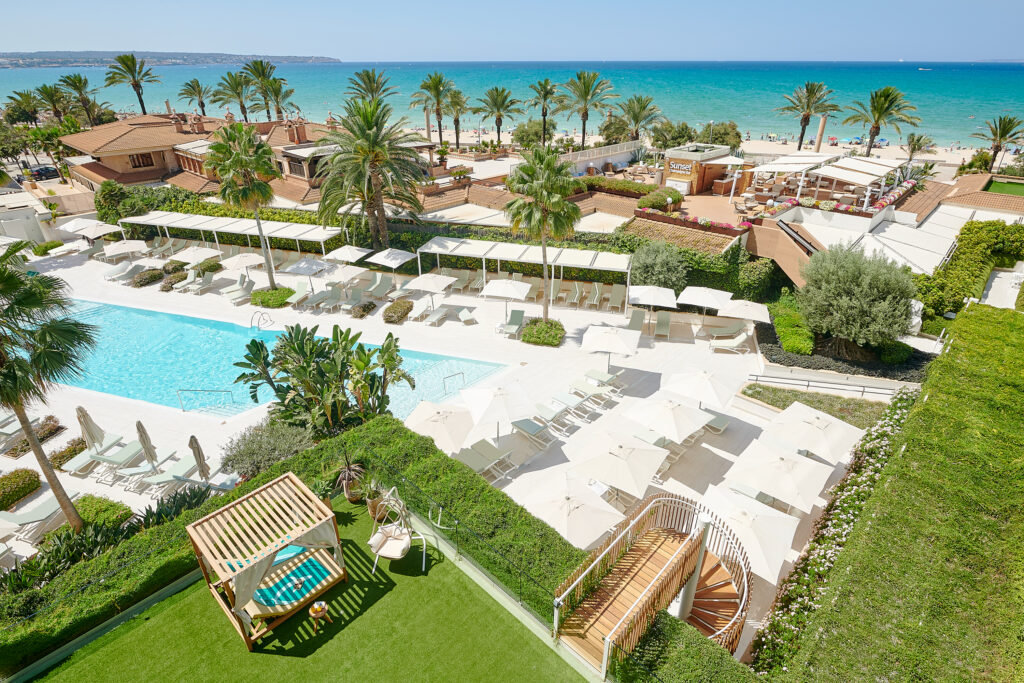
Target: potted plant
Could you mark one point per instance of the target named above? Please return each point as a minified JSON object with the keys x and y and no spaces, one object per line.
{"x":322,"y":489}
{"x":442,"y":154}
{"x":460,"y":175}
{"x":373,"y":492}
{"x":349,"y":478}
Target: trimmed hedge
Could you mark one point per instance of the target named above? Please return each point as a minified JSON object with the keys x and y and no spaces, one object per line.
{"x":272,"y":298}
{"x":210,"y":265}
{"x":147,"y":277}
{"x":99,"y":511}
{"x":47,"y":429}
{"x":1019,"y":303}
{"x":980,"y":245}
{"x":173,"y":279}
{"x":542,"y":332}
{"x":16,"y":485}
{"x":44,"y":248}
{"x":795,"y":335}
{"x":173,"y":267}
{"x":600,"y":182}
{"x":660,"y":199}
{"x":59,"y":458}
{"x":364,"y":309}
{"x":397,"y":311}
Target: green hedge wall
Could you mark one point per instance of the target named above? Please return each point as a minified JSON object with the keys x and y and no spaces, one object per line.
{"x":16,"y":485}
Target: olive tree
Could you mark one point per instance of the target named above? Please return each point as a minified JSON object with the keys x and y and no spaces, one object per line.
{"x":856,"y":299}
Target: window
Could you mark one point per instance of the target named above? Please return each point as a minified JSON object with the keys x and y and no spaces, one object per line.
{"x":295,"y":168}
{"x":141,"y":160}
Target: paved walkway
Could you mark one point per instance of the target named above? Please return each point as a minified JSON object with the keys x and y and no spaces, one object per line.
{"x":1004,"y":286}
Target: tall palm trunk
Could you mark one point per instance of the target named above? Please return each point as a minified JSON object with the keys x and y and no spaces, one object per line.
{"x":543,"y":126}
{"x":74,"y":519}
{"x":377,"y":206}
{"x":437,"y":115}
{"x":872,"y":134}
{"x":268,"y":263}
{"x":266,"y":106}
{"x":245,"y":112}
{"x":804,"y":120}
{"x":138,"y":93}
{"x":996,"y":149}
{"x":278,"y":112}
{"x":544,"y":279}
{"x":497,"y":127}
{"x":583,"y":135}
{"x":202,"y":107}
{"x":456,"y":122}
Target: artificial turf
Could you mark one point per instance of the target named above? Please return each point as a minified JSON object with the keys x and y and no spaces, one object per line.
{"x":395,"y":625}
{"x":1005,"y":188}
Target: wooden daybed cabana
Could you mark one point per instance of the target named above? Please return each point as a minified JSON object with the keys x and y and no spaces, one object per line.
{"x":268,"y":554}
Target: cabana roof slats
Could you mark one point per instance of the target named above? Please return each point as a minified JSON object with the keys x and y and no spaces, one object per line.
{"x":523,"y":253}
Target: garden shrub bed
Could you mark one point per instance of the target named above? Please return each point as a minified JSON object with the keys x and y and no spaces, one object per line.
{"x":272,"y":298}
{"x":364,"y":309}
{"x":1019,"y":302}
{"x":542,"y":332}
{"x":172,"y":267}
{"x":397,"y":311}
{"x":913,"y":370}
{"x":794,"y":334}
{"x":859,"y":412}
{"x":100,"y":511}
{"x":928,"y":585}
{"x":800,"y":593}
{"x":44,"y":248}
{"x":626,"y":188}
{"x":15,"y":485}
{"x":660,"y":199}
{"x":48,"y":428}
{"x":210,"y":265}
{"x":60,"y":458}
{"x":173,"y":279}
{"x":147,"y":277}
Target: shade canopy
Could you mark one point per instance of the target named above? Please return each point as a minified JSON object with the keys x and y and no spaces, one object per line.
{"x":307,"y":266}
{"x":307,"y":232}
{"x":673,"y":420}
{"x":713,"y":382}
{"x":645,"y":295}
{"x":728,"y":160}
{"x":390,"y":258}
{"x":775,"y":469}
{"x":498,"y":406}
{"x":607,"y":339}
{"x":619,"y":460}
{"x":191,"y":256}
{"x":447,"y":425}
{"x":246,"y":260}
{"x":705,"y":297}
{"x":431,"y":283}
{"x":765,"y":533}
{"x":568,"y":504}
{"x":515,"y":290}
{"x":88,"y":227}
{"x":124,"y":247}
{"x":814,"y":431}
{"x":521,"y":253}
{"x":746,"y":310}
{"x":348,"y":273}
{"x":347,"y":254}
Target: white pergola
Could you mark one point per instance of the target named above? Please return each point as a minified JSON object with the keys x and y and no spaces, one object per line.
{"x":521,"y":253}
{"x":798,"y":162}
{"x":305,"y":232}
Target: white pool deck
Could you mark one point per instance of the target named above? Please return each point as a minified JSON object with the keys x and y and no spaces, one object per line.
{"x":543,"y":371}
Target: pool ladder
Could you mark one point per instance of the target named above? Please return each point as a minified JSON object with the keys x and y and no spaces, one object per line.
{"x":444,"y":380}
{"x":259,"y":320}
{"x":179,"y":392}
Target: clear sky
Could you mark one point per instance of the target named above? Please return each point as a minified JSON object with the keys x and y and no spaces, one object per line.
{"x":530,"y":30}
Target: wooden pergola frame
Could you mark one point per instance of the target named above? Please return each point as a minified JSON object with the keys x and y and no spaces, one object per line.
{"x":263,"y":522}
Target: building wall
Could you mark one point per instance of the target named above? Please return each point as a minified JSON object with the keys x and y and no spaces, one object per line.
{"x":769,"y":241}
{"x":21,"y":223}
{"x":121,"y":163}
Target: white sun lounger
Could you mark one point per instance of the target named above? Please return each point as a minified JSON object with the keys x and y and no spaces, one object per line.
{"x":33,"y":523}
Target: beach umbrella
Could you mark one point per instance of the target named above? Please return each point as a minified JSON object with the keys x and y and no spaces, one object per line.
{"x":124,"y":247}
{"x":91,"y":431}
{"x":568,"y":504}
{"x":704,"y":297}
{"x":506,"y":289}
{"x":147,"y":445}
{"x":197,"y":452}
{"x":644,"y":295}
{"x":765,"y":533}
{"x":499,"y":405}
{"x":607,"y":339}
{"x":622,"y":461}
{"x":391,"y":258}
{"x":448,"y":425}
{"x":812,"y":430}
{"x":673,"y":420}
{"x":306,"y":266}
{"x":775,"y":469}
{"x":348,"y":254}
{"x":712,"y":382}
{"x":239,"y":261}
{"x":431,"y":283}
{"x":194,"y":255}
{"x":346,"y":274}
{"x":89,"y":228}
{"x":746,"y":310}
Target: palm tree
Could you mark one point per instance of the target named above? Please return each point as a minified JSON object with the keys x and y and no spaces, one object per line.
{"x":243,"y":162}
{"x":280,"y":97}
{"x":235,"y":87}
{"x":48,"y":140}
{"x":543,"y":210}
{"x":1003,"y":131}
{"x":77,"y":86}
{"x":368,"y":84}
{"x":433,"y":94}
{"x":56,"y":100}
{"x":261,"y":75}
{"x":918,"y":143}
{"x":886,"y":107}
{"x":639,"y":114}
{"x":496,"y":104}
{"x":39,"y":346}
{"x":549,"y":100}
{"x":194,"y":91}
{"x":810,"y":99}
{"x":455,"y":107}
{"x":584,"y":93}
{"x":28,"y":102}
{"x":128,"y":69}
{"x":370,"y":162}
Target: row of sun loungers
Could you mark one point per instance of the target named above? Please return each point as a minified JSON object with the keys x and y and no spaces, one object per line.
{"x":553,"y":419}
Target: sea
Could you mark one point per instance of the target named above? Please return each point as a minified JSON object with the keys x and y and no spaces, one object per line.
{"x":953,"y":99}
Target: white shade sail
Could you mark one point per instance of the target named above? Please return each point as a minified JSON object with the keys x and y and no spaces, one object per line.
{"x":765,"y":533}
{"x":844,"y":175}
{"x":619,"y":460}
{"x":447,"y":425}
{"x":644,"y":295}
{"x":237,"y":226}
{"x":515,"y":290}
{"x":348,"y":254}
{"x":307,"y":266}
{"x":728,"y":160}
{"x":713,"y":383}
{"x":775,"y":469}
{"x":746,"y":310}
{"x":522,"y":253}
{"x":705,"y":297}
{"x":390,"y":258}
{"x":825,"y":436}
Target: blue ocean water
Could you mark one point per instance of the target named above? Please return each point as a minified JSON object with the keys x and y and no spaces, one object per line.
{"x":946,"y":94}
{"x":150,"y":356}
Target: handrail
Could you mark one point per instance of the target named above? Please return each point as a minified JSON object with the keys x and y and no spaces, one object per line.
{"x":444,"y":380}
{"x":797,"y":238}
{"x":200,"y":391}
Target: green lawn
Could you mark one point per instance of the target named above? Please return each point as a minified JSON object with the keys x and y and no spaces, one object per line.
{"x":398,"y":625}
{"x":1005,"y":188}
{"x":857,"y":411}
{"x":930,"y":585}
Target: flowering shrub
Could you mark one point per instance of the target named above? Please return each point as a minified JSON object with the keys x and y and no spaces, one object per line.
{"x":807,"y":201}
{"x":799,"y":593}
{"x":828,"y":205}
{"x":699,"y":220}
{"x":897,"y":192}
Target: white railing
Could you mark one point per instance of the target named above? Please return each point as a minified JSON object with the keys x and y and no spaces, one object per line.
{"x":601,"y":152}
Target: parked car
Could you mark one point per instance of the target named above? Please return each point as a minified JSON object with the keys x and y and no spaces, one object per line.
{"x":41,"y":172}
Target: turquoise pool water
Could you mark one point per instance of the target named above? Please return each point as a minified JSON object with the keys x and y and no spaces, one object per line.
{"x":157,"y":357}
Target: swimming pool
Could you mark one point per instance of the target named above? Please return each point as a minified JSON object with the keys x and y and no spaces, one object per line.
{"x":179,"y":361}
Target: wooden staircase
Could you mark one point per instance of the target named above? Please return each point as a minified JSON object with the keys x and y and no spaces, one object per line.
{"x":717,"y":601}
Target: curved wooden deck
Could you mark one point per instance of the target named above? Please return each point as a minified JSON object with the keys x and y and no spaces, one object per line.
{"x":715,"y":603}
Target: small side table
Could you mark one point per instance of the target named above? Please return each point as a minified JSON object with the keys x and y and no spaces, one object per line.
{"x":318,"y":611}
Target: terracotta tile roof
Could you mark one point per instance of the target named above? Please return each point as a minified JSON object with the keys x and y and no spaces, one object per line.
{"x":97,"y":173}
{"x":922,"y":202}
{"x":278,"y":135}
{"x":295,"y":190}
{"x":975,"y":182}
{"x":196,"y":183}
{"x":140,"y":133}
{"x":987,"y":200}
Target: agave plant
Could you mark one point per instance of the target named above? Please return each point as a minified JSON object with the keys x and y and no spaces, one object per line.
{"x":349,"y":477}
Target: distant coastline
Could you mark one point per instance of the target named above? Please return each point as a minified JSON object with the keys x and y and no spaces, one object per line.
{"x":87,"y":58}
